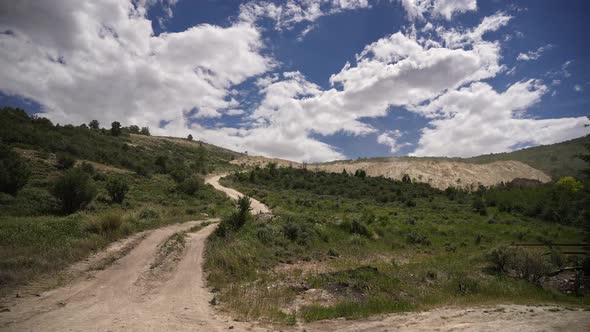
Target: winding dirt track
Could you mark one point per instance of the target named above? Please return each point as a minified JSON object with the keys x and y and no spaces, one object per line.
{"x":117,"y":299}
{"x":257,"y":207}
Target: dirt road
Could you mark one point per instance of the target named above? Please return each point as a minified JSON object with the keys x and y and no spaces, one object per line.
{"x":257,"y":207}
{"x":116,"y":299}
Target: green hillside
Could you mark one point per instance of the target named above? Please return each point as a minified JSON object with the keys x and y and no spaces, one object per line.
{"x":557,"y":160}
{"x":67,"y":191}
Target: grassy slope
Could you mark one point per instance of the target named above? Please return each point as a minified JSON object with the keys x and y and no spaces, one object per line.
{"x":35,"y":239}
{"x":407,"y":258}
{"x":556,"y":160}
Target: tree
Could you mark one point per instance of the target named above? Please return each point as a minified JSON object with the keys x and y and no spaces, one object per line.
{"x":94,"y":124}
{"x":189,"y":137}
{"x":116,"y":128}
{"x":145,"y":131}
{"x":14,"y":172}
{"x":569,"y":185}
{"x":360,"y":173}
{"x":74,"y":189}
{"x":134,"y":129}
{"x":117,"y":188}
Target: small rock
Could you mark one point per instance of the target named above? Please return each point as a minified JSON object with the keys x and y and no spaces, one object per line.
{"x":5,"y":310}
{"x":231,"y":327}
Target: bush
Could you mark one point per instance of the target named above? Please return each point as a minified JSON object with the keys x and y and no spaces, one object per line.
{"x":499,"y":258}
{"x":358,"y":227}
{"x":88,"y":168}
{"x":522,"y":263}
{"x":237,"y":219}
{"x":35,"y":201}
{"x":106,"y":224}
{"x":117,"y":188}
{"x":416,"y":238}
{"x":14,"y":172}
{"x":264,"y":233}
{"x":149,"y":213}
{"x":179,"y":174}
{"x":74,"y":189}
{"x":479,"y":206}
{"x":65,"y":161}
{"x":189,"y":186}
{"x":467,"y":286}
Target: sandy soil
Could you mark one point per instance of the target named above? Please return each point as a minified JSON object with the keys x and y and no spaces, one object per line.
{"x":515,"y":318}
{"x":257,"y":207}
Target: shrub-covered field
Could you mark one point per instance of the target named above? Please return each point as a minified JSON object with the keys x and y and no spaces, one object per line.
{"x":68,"y":191}
{"x":342,"y":245}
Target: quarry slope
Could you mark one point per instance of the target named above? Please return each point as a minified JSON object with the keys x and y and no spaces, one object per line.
{"x":440,"y":174}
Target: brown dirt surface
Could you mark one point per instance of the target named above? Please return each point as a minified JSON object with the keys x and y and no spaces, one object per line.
{"x":516,"y":318}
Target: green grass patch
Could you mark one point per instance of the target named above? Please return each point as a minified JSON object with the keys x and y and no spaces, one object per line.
{"x":353,"y":310}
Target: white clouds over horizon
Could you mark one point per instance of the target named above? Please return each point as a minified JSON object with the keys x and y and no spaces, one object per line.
{"x":86,"y":60}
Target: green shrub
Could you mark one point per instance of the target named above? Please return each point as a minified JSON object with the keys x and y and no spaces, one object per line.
{"x":110,"y":223}
{"x":117,"y":188}
{"x":467,"y":286}
{"x":35,"y":201}
{"x":358,"y":227}
{"x":74,"y":189}
{"x":88,"y":168}
{"x":179,"y":174}
{"x":105,"y":224}
{"x":149,"y":214}
{"x":236,"y":219}
{"x":189,"y":186}
{"x":417,"y":238}
{"x":264,"y":233}
{"x":14,"y":171}
{"x":65,"y":160}
{"x":528,"y":264}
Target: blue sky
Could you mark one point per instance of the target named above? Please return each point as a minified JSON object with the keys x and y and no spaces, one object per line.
{"x":308,"y":80}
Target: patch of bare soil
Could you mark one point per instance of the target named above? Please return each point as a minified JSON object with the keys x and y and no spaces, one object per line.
{"x":517,"y":318}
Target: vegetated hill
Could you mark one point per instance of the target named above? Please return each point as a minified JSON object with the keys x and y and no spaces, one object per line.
{"x":66,"y":191}
{"x":440,"y":173}
{"x":557,"y":160}
{"x":127,"y":150}
{"x":540,"y":163}
{"x":443,"y":174}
